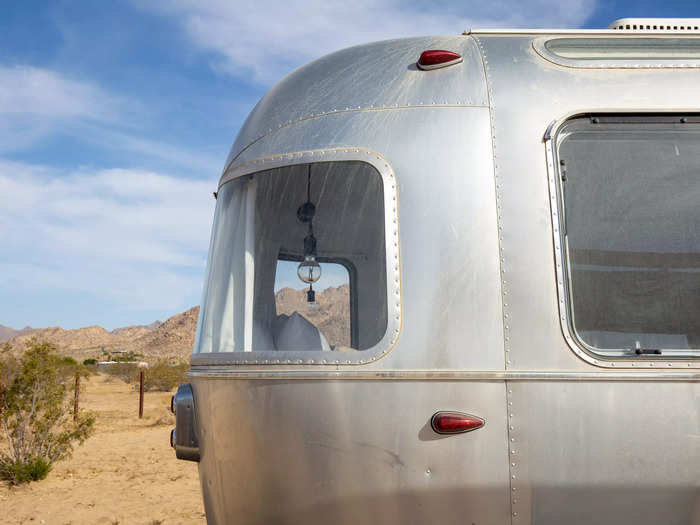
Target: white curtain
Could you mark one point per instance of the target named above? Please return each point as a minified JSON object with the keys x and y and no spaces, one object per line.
{"x":226,"y":324}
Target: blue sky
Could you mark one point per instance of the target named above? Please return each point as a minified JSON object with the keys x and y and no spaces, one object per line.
{"x":115,"y":121}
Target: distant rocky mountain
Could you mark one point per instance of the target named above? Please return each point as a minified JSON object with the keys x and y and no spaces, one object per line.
{"x":7,"y":333}
{"x":330,"y":314}
{"x":137,"y":328}
{"x":175,"y":336}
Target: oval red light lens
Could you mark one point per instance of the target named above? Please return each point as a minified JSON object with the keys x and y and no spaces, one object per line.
{"x":455,"y":422}
{"x":436,"y":58}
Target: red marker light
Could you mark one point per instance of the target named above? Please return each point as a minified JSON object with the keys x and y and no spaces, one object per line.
{"x":437,"y":58}
{"x":455,"y":422}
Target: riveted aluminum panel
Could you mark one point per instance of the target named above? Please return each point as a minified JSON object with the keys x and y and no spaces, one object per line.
{"x":441,"y":159}
{"x":527,"y":93}
{"x":348,"y":452}
{"x":581,"y":451}
{"x":370,"y":76}
{"x":609,"y":453}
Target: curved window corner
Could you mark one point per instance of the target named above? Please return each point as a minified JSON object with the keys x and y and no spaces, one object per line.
{"x":625,"y":192}
{"x":302,"y":263}
{"x":621,"y":51}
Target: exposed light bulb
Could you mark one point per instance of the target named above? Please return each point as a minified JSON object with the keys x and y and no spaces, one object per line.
{"x":309,"y":271}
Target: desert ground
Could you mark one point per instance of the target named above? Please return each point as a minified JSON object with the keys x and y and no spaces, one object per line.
{"x":125,"y":473}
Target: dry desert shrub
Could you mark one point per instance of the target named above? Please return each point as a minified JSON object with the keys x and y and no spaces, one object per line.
{"x":160,"y":376}
{"x":127,"y":372}
{"x":163,"y":375}
{"x":36,"y":418}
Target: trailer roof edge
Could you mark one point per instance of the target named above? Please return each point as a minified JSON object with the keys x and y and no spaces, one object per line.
{"x":512,"y":31}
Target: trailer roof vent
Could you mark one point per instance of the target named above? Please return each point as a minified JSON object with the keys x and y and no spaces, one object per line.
{"x":666,"y":25}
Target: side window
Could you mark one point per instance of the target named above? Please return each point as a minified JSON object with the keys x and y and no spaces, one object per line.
{"x":298,"y":263}
{"x":630,"y":225}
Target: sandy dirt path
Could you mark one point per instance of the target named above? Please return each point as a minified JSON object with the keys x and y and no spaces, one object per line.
{"x":125,"y":473}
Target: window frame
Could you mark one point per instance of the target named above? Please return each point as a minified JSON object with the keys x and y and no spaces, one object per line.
{"x":563,"y":277}
{"x":392,"y":265}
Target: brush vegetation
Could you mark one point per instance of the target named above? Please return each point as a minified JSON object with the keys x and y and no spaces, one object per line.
{"x":161,"y":375}
{"x":37,"y":424}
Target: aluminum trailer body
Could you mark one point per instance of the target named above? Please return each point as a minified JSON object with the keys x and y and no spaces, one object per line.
{"x":466,"y":294}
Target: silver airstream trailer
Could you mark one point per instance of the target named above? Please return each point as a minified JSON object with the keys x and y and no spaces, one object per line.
{"x":463,"y":288}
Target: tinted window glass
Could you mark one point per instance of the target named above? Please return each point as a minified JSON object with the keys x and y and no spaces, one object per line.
{"x":631,"y":192}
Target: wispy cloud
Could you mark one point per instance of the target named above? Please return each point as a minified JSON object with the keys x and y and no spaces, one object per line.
{"x":114,"y":138}
{"x":36,"y":103}
{"x":267,"y":39}
{"x":133,"y":239}
{"x":44,"y":93}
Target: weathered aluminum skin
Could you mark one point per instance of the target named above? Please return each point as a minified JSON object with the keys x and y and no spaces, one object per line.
{"x":373,"y":76}
{"x":350,"y":452}
{"x":567,"y":439}
{"x":603,"y":452}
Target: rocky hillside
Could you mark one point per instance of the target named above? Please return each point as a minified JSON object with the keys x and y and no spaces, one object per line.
{"x":7,"y":333}
{"x":175,"y":337}
{"x":330,"y":314}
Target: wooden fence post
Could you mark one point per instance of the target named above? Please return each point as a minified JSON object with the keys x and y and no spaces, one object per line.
{"x":77,"y":396}
{"x":141,"y":393}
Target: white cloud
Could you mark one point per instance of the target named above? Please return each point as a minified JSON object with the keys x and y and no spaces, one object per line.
{"x":44,"y":93}
{"x":36,"y":103}
{"x":134,"y":239}
{"x":267,"y":39}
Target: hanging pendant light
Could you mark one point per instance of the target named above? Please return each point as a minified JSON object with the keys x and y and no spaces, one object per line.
{"x":309,"y":271}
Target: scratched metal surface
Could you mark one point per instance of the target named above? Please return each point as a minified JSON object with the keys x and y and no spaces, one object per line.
{"x":370,"y":76}
{"x":322,"y":452}
{"x":445,"y":197}
{"x":581,"y":452}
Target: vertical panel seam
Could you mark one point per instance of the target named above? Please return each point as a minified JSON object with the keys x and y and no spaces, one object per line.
{"x":510,"y":442}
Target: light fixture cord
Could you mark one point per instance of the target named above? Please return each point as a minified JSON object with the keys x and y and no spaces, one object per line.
{"x":308,"y":199}
{"x":308,"y":186}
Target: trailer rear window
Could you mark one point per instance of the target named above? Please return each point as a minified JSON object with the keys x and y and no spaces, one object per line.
{"x":631,"y":232}
{"x":298,"y":263}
